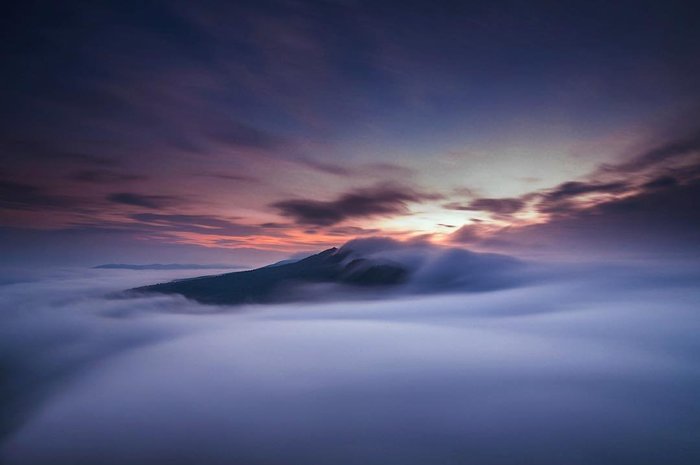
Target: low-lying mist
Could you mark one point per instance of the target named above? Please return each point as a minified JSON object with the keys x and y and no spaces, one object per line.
{"x":594,"y":364}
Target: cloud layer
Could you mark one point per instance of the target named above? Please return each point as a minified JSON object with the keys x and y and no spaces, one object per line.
{"x":573,"y":363}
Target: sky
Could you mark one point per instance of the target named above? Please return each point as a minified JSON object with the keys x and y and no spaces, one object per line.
{"x":246,"y":132}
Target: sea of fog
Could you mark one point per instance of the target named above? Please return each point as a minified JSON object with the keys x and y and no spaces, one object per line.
{"x":593,"y":365}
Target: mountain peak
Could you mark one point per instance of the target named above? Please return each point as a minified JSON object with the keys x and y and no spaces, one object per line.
{"x":283,"y":282}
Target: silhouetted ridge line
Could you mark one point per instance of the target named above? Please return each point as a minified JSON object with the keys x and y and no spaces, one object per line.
{"x":279,"y":283}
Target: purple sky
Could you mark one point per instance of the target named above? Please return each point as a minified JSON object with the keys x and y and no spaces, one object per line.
{"x":244,"y":132}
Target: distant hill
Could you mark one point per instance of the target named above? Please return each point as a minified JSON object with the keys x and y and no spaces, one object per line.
{"x":277,"y":283}
{"x":167,"y":266}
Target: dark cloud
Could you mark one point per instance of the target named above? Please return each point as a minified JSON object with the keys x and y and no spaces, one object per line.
{"x":360,"y":203}
{"x":563,"y":198}
{"x":614,"y":187}
{"x":663,"y":218}
{"x":104,"y":176}
{"x":660,"y":154}
{"x":140,"y":200}
{"x":663,"y":167}
{"x":661,"y":182}
{"x":232,"y":177}
{"x":20,"y":149}
{"x":19,"y":196}
{"x":503,"y":206}
{"x":84,"y":158}
{"x":325,"y":167}
{"x":273,"y":225}
{"x":571,"y":189}
{"x":663,"y":203}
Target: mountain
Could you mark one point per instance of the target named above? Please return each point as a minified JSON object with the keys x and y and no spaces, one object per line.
{"x":282,"y":282}
{"x":167,"y":266}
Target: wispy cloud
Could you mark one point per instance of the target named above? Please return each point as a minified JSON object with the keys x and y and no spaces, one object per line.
{"x":660,"y":155}
{"x":104,"y":176}
{"x":200,"y":224}
{"x":20,"y":196}
{"x":564,"y":197}
{"x":500,"y":206}
{"x":155,"y":202}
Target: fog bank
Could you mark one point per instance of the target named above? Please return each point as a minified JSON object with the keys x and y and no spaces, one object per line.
{"x":595,"y":364}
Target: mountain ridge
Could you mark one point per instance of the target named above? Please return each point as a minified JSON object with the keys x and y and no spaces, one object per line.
{"x":278,"y":283}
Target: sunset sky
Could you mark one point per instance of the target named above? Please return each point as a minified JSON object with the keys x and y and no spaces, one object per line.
{"x":246,"y":132}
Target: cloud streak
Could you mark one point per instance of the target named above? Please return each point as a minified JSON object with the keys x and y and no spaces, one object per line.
{"x":660,"y":155}
{"x":200,"y":224}
{"x":360,"y":203}
{"x":154,"y":202}
{"x":20,"y":196}
{"x":503,"y":206}
{"x":104,"y":177}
